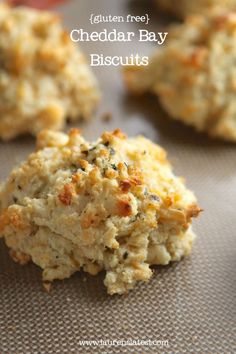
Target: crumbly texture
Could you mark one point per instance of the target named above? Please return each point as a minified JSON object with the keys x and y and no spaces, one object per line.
{"x":44,"y":77}
{"x":183,"y":8}
{"x":113,"y":204}
{"x":194,"y":75}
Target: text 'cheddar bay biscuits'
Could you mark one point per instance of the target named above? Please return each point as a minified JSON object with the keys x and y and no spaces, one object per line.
{"x":112,"y":205}
{"x":44,"y":77}
{"x":194,"y":74}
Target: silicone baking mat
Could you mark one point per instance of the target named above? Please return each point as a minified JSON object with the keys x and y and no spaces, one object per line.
{"x":191,"y":304}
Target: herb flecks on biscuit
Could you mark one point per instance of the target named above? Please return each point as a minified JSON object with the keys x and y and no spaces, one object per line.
{"x":111,"y":205}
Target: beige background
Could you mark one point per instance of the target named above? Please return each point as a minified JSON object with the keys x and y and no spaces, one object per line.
{"x":193,"y":303}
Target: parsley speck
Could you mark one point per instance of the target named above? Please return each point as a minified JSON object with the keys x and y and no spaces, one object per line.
{"x":114,"y":166}
{"x":125,"y":255}
{"x":154,"y":197}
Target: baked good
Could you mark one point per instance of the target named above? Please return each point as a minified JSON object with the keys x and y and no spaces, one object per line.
{"x":183,"y":8}
{"x":44,"y":77}
{"x":113,"y":204}
{"x":194,"y":74}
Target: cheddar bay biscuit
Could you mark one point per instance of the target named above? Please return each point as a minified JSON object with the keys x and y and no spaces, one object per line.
{"x":194,"y":74}
{"x":183,"y":8}
{"x":44,"y":77}
{"x":113,"y":204}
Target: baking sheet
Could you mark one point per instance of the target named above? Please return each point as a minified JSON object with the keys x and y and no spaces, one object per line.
{"x":192,"y":304}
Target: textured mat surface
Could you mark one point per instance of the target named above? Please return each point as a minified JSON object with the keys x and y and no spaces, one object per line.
{"x":192,"y":304}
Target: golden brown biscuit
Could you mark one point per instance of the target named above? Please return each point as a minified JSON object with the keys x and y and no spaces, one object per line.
{"x":194,"y":74}
{"x":183,"y":8}
{"x":113,"y":204}
{"x":44,"y":77}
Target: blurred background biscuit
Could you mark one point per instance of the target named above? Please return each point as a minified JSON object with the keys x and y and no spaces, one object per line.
{"x":193,"y":75}
{"x":44,"y":77}
{"x":183,"y":8}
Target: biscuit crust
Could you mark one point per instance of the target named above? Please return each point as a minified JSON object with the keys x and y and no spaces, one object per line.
{"x":44,"y":77}
{"x":194,"y":74}
{"x":111,"y":205}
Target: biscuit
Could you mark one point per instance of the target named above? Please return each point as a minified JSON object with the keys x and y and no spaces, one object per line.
{"x":44,"y":77}
{"x":194,"y":74}
{"x":183,"y":8}
{"x":111,"y":205}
